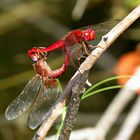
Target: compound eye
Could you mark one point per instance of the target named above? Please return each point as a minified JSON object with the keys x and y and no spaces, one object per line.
{"x":89,"y":35}
{"x":35,"y":57}
{"x":37,"y":53}
{"x":92,"y":35}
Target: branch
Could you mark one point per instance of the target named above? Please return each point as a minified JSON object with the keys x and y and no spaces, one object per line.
{"x":133,"y":118}
{"x":73,"y":106}
{"x":131,"y":122}
{"x":106,"y":41}
{"x":79,"y":9}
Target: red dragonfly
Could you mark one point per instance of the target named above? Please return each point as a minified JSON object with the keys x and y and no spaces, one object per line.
{"x":75,"y":37}
{"x":42,"y":88}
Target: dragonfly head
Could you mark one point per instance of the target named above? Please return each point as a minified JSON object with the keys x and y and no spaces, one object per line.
{"x":37,"y":53}
{"x":89,"y":34}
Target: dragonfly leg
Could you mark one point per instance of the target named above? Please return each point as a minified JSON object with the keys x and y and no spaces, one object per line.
{"x":100,"y":47}
{"x":91,"y":46}
{"x":80,"y":53}
{"x":42,"y":53}
{"x":85,"y":45}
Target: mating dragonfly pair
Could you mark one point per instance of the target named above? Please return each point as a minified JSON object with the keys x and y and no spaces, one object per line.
{"x":44,"y":85}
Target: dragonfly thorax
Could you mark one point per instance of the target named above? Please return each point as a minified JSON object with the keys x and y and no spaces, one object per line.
{"x":79,"y":36}
{"x":73,"y":37}
{"x":42,"y":69}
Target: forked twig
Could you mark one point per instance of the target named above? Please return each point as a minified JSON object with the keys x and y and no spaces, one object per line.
{"x":106,"y":41}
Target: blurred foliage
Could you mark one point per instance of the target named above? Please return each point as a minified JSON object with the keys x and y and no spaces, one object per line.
{"x":132,"y":3}
{"x":30,"y":23}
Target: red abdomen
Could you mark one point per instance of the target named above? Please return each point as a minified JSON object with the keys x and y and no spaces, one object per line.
{"x":59,"y":44}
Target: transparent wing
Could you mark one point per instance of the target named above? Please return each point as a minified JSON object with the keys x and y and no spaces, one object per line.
{"x":24,"y":100}
{"x":101,"y":29}
{"x":46,"y":97}
{"x":75,"y":52}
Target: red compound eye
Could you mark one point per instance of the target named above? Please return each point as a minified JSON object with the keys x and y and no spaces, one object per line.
{"x":34,"y":57}
{"x":33,"y":54}
{"x":89,"y":35}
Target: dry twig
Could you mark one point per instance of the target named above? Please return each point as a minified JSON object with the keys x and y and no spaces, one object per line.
{"x":77,"y":90}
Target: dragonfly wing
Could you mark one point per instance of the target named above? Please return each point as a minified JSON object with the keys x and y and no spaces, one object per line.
{"x":24,"y":100}
{"x":46,"y":97}
{"x":74,"y":52}
{"x":101,"y":29}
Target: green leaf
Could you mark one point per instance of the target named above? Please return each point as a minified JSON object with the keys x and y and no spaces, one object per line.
{"x":101,"y":90}
{"x":62,"y":122}
{"x":88,"y":92}
{"x":132,"y":3}
{"x":104,"y":81}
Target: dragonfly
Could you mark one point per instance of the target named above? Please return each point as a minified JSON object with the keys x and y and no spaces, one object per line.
{"x":77,"y":37}
{"x":41,"y":89}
